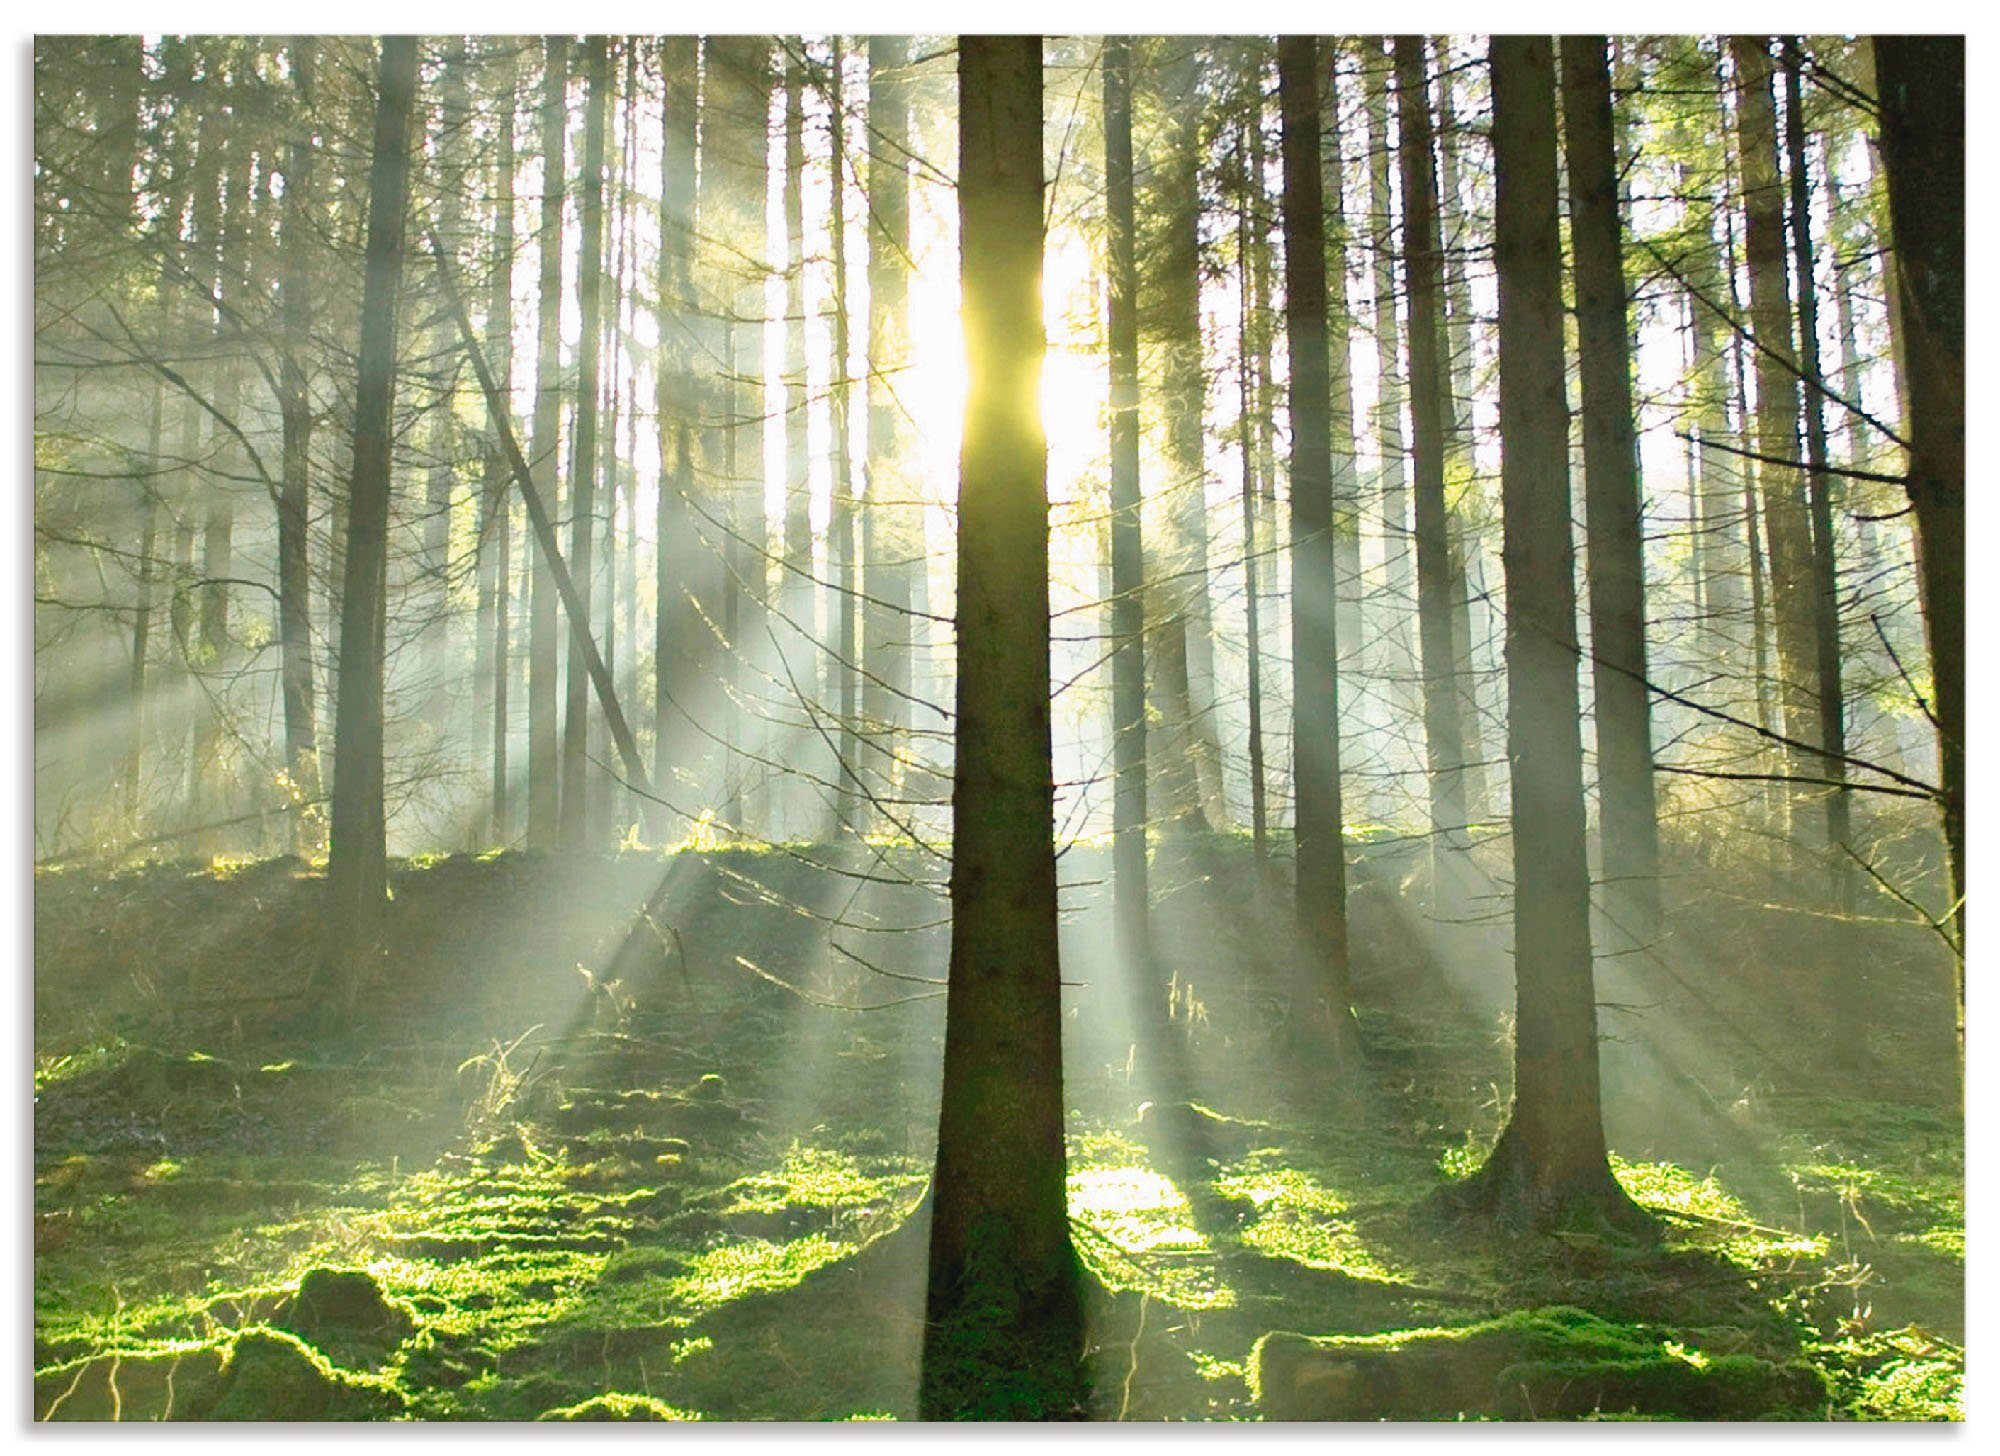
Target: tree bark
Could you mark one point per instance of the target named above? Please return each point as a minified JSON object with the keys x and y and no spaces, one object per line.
{"x":295,"y":670}
{"x":544,"y":764}
{"x":1322,"y":999}
{"x":1788,"y":527}
{"x":357,"y":863}
{"x":495,"y":532}
{"x":1826,"y":575}
{"x":1128,"y":609}
{"x":1444,"y":738}
{"x":895,"y":523}
{"x":1628,"y":822}
{"x":583,"y":462}
{"x":1003,"y":1323}
{"x":1921,"y":81}
{"x":677,"y":632}
{"x":1550,"y":1164}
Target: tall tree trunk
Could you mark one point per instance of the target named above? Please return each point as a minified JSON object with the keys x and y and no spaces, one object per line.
{"x":357,"y":862}
{"x":495,"y":533}
{"x":218,"y":536}
{"x":736,"y":104}
{"x":848,"y":579}
{"x":544,"y":765}
{"x":1628,"y":818}
{"x":1346,"y":474}
{"x":1322,"y":997}
{"x":1444,"y":739}
{"x":1787,"y":524}
{"x":583,"y":462}
{"x":1466,"y":545}
{"x":1003,"y":1335}
{"x":896,"y":551}
{"x":1248,"y":407}
{"x":796,"y":594}
{"x":1826,"y":575}
{"x":1921,"y":82}
{"x":677,"y":632}
{"x":1128,"y":608}
{"x":1391,"y":485}
{"x":448,"y":178}
{"x":1186,"y":669}
{"x":1550,"y":1164}
{"x":295,"y":307}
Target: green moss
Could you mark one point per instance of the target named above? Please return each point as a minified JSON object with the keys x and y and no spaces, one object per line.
{"x":618,"y":1406}
{"x":344,"y":1313}
{"x":1299,"y":1218}
{"x":1556,"y":1362}
{"x":272,"y":1375}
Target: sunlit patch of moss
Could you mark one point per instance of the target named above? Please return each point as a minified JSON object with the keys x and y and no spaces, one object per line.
{"x":1135,"y":1231}
{"x":1670,"y":1189}
{"x":1555,"y":1362}
{"x":1301,"y":1219}
{"x":1898,"y":1375}
{"x":1139,"y":1210}
{"x":1870,"y":1191}
{"x":752,"y":1266}
{"x":618,"y":1406}
{"x":822,"y":1178}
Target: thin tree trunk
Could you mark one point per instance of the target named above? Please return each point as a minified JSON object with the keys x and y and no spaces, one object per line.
{"x":1128,"y":619}
{"x":1246,"y":383}
{"x":1322,"y":996}
{"x":1466,"y":545}
{"x":894,"y":553}
{"x":495,"y":534}
{"x":676,"y":631}
{"x":1628,"y":816}
{"x":1787,"y":523}
{"x":1826,"y":576}
{"x":1346,"y":475}
{"x":1003,"y":1334}
{"x":544,"y":765}
{"x":796,"y":595}
{"x":1444,"y":738}
{"x":1391,"y":485}
{"x":848,"y":808}
{"x":583,"y":463}
{"x":295,"y":306}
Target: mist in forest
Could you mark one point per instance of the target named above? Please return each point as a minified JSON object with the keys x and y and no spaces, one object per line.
{"x":1114,"y":727}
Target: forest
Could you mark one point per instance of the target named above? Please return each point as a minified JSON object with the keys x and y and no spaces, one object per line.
{"x":999,"y":728}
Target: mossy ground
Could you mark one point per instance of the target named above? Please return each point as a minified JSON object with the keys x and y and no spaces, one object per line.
{"x":672,"y":1189}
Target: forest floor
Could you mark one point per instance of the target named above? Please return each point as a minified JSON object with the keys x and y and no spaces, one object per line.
{"x":615,"y":1138}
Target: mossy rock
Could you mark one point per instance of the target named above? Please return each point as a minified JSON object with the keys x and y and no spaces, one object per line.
{"x":1556,"y":1363}
{"x":131,"y":1385}
{"x":345,"y":1313}
{"x":272,"y":1375}
{"x":618,"y":1406}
